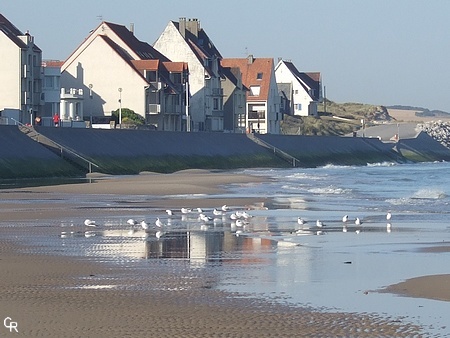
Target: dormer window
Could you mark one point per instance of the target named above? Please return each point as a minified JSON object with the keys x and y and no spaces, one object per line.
{"x":259,"y":76}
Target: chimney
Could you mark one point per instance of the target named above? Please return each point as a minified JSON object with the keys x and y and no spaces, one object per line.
{"x":182,"y":27}
{"x":132,"y":28}
{"x":250,"y":59}
{"x":193,"y":26}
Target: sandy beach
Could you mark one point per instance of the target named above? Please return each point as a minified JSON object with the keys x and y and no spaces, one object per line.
{"x":52,"y":295}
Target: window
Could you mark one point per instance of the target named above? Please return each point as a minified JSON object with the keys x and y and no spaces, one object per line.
{"x":259,"y":76}
{"x":216,"y":103}
{"x":254,"y":90}
{"x":299,"y":106}
{"x":48,"y":82}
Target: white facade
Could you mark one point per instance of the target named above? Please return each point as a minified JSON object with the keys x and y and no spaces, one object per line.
{"x":21,"y":73}
{"x":304,"y":102}
{"x":51,"y":88}
{"x":100,"y":71}
{"x":206,"y":94}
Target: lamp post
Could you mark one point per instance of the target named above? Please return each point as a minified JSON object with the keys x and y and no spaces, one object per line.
{"x":120,"y":107}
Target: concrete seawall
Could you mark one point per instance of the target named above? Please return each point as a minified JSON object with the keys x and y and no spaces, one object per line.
{"x":134,"y":151}
{"x":21,"y":157}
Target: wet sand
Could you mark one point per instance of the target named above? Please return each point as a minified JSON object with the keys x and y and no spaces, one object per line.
{"x":56,"y":296}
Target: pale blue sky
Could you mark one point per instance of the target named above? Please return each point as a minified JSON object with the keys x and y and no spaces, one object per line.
{"x":380,"y":52}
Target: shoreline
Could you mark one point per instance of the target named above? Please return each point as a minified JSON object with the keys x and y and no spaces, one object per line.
{"x":58,"y":295}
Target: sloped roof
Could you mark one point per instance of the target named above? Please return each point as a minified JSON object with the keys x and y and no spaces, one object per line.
{"x":309,"y":80}
{"x":250,"y":71}
{"x":13,"y":33}
{"x":143,"y":49}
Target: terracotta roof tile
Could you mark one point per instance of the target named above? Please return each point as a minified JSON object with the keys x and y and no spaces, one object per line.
{"x":250,"y":72}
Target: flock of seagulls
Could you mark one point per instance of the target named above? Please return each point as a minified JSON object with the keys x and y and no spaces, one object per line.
{"x":239,"y":220}
{"x":345,"y":221}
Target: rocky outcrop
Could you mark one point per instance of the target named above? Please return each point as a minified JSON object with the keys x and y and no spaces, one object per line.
{"x":438,"y":130}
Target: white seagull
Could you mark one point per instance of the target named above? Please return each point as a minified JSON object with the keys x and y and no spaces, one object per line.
{"x":144,"y":225}
{"x":131,"y":222}
{"x":217,"y":212}
{"x":185,"y":210}
{"x":90,"y":223}
{"x":319,"y":224}
{"x":345,"y":219}
{"x":169,"y":212}
{"x":158,"y":223}
{"x":300,"y":221}
{"x":225,"y":207}
{"x":358,"y":221}
{"x":388,"y":216}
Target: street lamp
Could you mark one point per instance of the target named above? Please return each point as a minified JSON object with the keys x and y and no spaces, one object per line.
{"x":120,"y":107}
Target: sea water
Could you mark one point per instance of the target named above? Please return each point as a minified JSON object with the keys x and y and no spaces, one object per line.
{"x":338,"y":267}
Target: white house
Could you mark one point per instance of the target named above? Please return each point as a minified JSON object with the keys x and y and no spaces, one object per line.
{"x":186,"y":41}
{"x":21,"y":73}
{"x":115,"y":70}
{"x":263,"y":101}
{"x":306,"y":88}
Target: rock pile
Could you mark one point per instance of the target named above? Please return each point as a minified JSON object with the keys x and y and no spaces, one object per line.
{"x":438,"y":130}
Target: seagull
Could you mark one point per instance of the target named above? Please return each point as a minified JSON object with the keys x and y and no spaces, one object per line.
{"x":225,"y":207}
{"x":169,"y":212}
{"x":358,"y":221}
{"x":131,"y":222}
{"x":158,"y":223}
{"x":144,"y":225}
{"x":388,"y":216}
{"x":199,"y":210}
{"x":319,"y":224}
{"x":217,"y":212}
{"x":234,"y":216}
{"x":345,"y":219}
{"x":185,"y":210}
{"x":159,"y":234}
{"x":239,"y":223}
{"x":300,"y":221}
{"x":90,"y":223}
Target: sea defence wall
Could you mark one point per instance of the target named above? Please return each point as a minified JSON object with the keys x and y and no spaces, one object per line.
{"x":133,"y":151}
{"x":21,"y":157}
{"x":313,"y":151}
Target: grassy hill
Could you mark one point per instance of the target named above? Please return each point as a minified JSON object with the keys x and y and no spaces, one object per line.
{"x":335,"y":119}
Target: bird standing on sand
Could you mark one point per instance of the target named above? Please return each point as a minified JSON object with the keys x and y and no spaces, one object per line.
{"x":90,"y":223}
{"x":300,"y":221}
{"x":158,"y":223}
{"x":388,"y":216}
{"x":319,"y":224}
{"x":144,"y":225}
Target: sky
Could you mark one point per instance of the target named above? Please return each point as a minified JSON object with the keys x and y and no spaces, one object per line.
{"x":383,"y":52}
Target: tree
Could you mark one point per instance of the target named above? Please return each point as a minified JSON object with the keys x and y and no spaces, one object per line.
{"x":128,"y":117}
